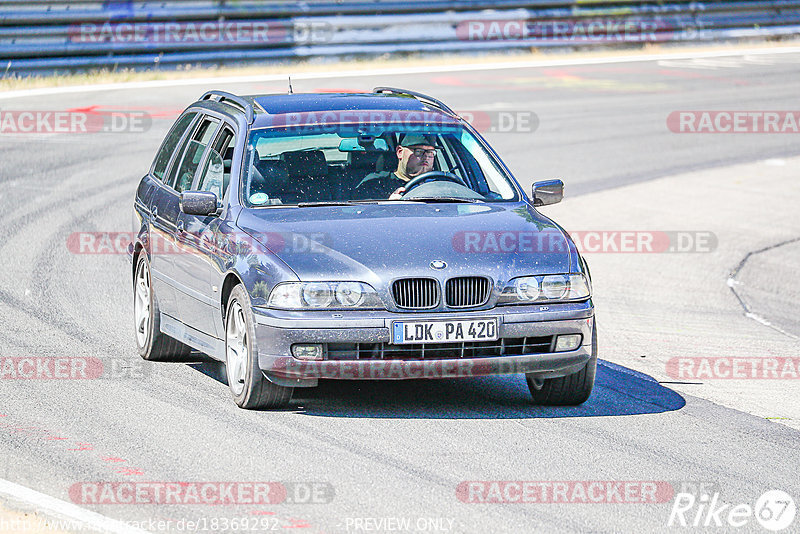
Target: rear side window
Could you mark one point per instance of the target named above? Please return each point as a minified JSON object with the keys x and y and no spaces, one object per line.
{"x":170,"y":142}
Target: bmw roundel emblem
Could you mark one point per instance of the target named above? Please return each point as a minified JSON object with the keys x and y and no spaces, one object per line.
{"x":438,"y":264}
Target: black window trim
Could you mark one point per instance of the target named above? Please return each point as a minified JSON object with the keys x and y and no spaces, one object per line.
{"x":179,"y":154}
{"x":202,"y":157}
{"x":520,"y":193}
{"x":207,"y":154}
{"x":223,"y":120}
{"x":190,"y":127}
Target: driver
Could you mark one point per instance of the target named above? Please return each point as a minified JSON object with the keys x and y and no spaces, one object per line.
{"x":415,"y":155}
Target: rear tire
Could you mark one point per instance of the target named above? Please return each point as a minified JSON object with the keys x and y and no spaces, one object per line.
{"x":250,"y":388}
{"x":570,"y":390}
{"x":153,"y":345}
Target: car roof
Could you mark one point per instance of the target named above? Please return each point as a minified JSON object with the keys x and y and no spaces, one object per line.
{"x":270,"y":107}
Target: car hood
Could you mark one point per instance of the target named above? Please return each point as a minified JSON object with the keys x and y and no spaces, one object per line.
{"x":376,"y":243}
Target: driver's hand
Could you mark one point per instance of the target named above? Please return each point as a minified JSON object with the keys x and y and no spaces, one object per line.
{"x":398,"y":193}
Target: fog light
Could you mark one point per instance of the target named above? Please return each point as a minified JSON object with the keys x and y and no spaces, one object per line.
{"x":307,"y":352}
{"x":568,"y":342}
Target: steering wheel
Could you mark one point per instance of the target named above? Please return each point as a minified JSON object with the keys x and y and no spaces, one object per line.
{"x":430,"y":176}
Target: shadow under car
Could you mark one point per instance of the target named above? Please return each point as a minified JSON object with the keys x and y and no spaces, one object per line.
{"x":617,"y":391}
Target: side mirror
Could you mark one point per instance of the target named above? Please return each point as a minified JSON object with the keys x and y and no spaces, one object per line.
{"x":198,"y":203}
{"x":548,"y":192}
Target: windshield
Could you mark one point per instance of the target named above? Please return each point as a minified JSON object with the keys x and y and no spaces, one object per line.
{"x":284,"y":167}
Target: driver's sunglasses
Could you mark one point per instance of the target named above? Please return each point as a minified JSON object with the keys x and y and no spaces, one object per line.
{"x":423,"y":153}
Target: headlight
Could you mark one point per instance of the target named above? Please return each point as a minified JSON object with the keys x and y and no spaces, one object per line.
{"x":323,"y":295}
{"x":317,"y":295}
{"x":555,"y":287}
{"x":349,"y":293}
{"x":527,"y":288}
{"x":552,"y":287}
{"x":579,"y":287}
{"x":286,"y":296}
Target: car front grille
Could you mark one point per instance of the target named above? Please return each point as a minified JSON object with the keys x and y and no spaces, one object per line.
{"x":467,"y":291}
{"x":416,"y":293}
{"x":439,"y":351}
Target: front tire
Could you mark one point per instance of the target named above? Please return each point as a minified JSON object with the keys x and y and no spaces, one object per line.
{"x":153,"y":345}
{"x":250,"y":388}
{"x":570,"y":390}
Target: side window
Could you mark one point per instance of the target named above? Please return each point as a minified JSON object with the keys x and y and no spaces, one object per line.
{"x":169,"y":144}
{"x":217,"y":172}
{"x":193,"y":154}
{"x":444,"y":157}
{"x":471,"y":173}
{"x":448,"y":157}
{"x":212,"y":179}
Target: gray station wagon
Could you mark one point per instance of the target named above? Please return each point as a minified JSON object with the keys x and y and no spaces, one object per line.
{"x":375,"y":236}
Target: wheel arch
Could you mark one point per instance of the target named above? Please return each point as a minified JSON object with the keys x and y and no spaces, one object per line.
{"x":137,"y":249}
{"x":232,"y":279}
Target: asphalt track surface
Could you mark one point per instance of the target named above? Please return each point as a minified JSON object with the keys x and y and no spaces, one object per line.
{"x":389,"y":450}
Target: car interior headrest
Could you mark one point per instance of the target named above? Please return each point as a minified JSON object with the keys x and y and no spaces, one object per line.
{"x":305,"y":163}
{"x":273,"y":171}
{"x":387,"y":161}
{"x":363,"y":160}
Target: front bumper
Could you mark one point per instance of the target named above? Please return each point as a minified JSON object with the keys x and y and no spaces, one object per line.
{"x":277,"y":331}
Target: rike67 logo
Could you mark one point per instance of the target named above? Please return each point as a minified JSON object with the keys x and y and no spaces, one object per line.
{"x":775,"y":510}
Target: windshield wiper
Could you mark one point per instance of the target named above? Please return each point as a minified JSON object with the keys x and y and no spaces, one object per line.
{"x":333,"y":203}
{"x":444,"y":199}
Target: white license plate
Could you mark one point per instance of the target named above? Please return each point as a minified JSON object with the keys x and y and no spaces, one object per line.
{"x":444,"y":331}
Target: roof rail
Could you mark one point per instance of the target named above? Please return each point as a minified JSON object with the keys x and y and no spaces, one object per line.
{"x":225,"y":97}
{"x":419,"y":96}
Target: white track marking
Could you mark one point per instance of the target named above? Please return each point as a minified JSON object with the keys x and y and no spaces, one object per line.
{"x":725,"y":62}
{"x":710,"y":63}
{"x":63,"y":511}
{"x":394,"y":71}
{"x":757,"y":318}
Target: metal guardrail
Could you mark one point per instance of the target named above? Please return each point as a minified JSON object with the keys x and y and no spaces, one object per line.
{"x":79,"y":34}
